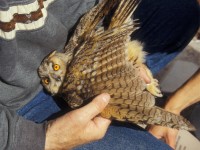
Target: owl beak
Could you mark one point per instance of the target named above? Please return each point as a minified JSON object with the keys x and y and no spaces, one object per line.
{"x":57,"y":78}
{"x":53,"y":92}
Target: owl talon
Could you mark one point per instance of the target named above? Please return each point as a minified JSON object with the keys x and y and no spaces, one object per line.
{"x":74,"y":100}
{"x":155,"y":81}
{"x":153,"y":88}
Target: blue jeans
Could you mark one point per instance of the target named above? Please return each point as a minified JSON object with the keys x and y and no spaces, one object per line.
{"x":166,"y":27}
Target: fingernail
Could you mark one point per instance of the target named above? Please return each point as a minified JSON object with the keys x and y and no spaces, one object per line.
{"x":106,"y":97}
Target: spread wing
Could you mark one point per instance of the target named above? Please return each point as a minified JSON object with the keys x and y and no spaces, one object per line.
{"x":104,"y":67}
{"x":102,"y":63}
{"x":88,"y":23}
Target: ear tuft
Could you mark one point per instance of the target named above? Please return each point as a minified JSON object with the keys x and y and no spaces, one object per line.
{"x":52,"y":53}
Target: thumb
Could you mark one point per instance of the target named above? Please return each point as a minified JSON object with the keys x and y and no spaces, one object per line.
{"x":171,"y":138}
{"x":155,"y":133}
{"x":95,"y":107}
{"x":171,"y":143}
{"x":144,"y":74}
{"x":102,"y":125}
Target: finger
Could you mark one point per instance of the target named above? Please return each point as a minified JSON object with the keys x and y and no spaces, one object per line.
{"x":102,"y":125}
{"x":171,"y":143}
{"x":171,"y":140}
{"x":143,"y":74}
{"x":92,"y":109}
{"x":155,"y":134}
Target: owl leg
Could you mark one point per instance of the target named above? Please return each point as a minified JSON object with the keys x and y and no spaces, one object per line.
{"x":74,"y":100}
{"x":152,"y":87}
{"x":113,"y":112}
{"x":135,"y":52}
{"x":137,"y":55}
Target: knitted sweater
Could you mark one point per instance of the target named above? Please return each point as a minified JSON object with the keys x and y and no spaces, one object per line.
{"x":29,"y":30}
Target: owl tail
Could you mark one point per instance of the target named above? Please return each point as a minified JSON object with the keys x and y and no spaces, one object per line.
{"x":159,"y":116}
{"x":146,"y":115}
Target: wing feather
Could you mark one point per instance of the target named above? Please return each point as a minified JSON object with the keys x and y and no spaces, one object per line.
{"x":123,"y":13}
{"x":102,"y":64}
{"x":103,"y":59}
{"x":88,"y":23}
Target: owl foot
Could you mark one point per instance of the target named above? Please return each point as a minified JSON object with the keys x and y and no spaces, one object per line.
{"x":74,"y":100}
{"x":111,"y":112}
{"x":153,"y":88}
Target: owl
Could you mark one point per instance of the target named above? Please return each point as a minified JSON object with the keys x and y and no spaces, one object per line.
{"x":103,"y":59}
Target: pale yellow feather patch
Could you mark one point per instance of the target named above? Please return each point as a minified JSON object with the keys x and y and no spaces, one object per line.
{"x":135,"y":52}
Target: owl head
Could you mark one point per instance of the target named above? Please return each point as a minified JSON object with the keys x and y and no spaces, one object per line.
{"x":52,"y":71}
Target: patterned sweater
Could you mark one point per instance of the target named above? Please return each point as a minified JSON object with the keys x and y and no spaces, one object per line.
{"x":29,"y":30}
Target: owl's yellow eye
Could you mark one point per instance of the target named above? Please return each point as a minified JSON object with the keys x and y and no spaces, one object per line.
{"x":46,"y":80}
{"x":56,"y":67}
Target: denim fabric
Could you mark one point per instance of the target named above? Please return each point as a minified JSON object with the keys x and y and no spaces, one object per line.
{"x":40,"y":108}
{"x":166,"y":27}
{"x":123,"y":136}
{"x":157,"y":61}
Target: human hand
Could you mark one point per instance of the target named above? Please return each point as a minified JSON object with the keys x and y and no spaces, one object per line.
{"x":168,"y":134}
{"x":143,"y":75}
{"x":78,"y":127}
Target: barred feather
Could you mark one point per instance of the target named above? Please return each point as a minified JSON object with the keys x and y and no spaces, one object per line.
{"x":103,"y":61}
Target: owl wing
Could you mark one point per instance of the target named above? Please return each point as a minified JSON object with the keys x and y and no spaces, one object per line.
{"x":104,"y":67}
{"x":123,"y":13}
{"x":88,"y":23}
{"x":103,"y":60}
{"x":102,"y":64}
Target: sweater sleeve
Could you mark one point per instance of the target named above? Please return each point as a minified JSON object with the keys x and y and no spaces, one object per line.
{"x":19,"y":133}
{"x":22,"y":49}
